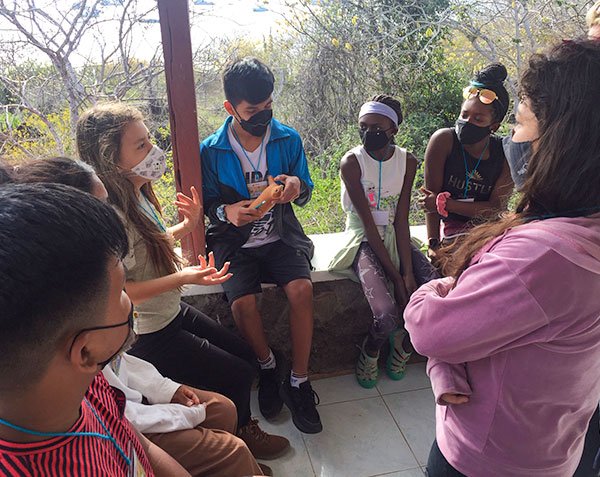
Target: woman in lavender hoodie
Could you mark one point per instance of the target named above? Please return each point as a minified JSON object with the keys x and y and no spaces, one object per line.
{"x":513,"y":336}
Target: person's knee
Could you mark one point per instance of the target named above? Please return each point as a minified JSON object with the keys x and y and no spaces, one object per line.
{"x":244,"y":306}
{"x":238,"y":450}
{"x":299,"y":292}
{"x":227,"y":412}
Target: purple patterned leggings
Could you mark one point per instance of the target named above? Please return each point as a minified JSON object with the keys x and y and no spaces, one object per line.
{"x":386,"y":315}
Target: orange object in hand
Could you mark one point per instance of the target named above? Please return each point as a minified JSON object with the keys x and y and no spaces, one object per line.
{"x":266,"y":200}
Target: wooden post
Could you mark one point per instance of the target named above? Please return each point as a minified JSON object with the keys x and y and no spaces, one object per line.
{"x":177,"y":50}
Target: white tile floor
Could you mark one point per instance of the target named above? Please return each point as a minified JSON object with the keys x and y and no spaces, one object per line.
{"x":384,"y":431}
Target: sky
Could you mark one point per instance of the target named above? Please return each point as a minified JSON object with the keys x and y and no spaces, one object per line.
{"x":209,"y":19}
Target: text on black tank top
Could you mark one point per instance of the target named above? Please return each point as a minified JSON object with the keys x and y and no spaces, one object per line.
{"x":482,"y":179}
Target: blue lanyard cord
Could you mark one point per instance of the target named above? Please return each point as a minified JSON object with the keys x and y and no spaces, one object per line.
{"x":469,"y":172}
{"x":379,"y":193}
{"x":260,"y":152}
{"x":151,"y":214}
{"x":107,"y":436}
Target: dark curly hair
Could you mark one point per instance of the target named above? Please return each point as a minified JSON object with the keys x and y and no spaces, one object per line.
{"x":391,"y":102}
{"x":57,"y":170}
{"x":492,"y":77}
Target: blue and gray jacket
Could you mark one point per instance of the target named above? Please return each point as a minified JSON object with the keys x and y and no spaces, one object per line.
{"x":223,"y":183}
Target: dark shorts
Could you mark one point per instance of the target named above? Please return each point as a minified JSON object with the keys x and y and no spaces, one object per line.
{"x":275,"y":262}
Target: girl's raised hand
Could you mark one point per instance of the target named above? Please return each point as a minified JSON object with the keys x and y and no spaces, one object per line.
{"x":205,"y":273}
{"x":190,"y":208}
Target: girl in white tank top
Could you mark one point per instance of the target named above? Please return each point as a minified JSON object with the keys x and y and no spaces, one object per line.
{"x":377,"y":179}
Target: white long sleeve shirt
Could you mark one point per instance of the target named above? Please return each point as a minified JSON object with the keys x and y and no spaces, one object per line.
{"x":138,"y":379}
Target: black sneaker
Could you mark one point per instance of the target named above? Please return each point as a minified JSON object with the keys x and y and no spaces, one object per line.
{"x":302,"y":403}
{"x":269,"y":402}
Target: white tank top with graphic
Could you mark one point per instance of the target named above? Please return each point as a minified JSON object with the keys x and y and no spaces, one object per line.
{"x":382,"y":183}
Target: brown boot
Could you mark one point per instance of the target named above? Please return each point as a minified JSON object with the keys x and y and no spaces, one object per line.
{"x":261,"y":444}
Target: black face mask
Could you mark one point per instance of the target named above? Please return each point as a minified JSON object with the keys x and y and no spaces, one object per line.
{"x":131,"y":337}
{"x":129,"y":340}
{"x":258,"y":123}
{"x":374,"y":140}
{"x":469,"y":133}
{"x":517,"y":155}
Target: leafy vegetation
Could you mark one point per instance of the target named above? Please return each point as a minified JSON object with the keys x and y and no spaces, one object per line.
{"x":328,"y":58}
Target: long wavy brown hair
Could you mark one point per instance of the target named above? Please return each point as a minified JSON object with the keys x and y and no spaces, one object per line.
{"x":99,"y":132}
{"x":562,"y":88}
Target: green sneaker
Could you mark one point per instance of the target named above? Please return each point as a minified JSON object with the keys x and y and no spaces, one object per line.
{"x":366,"y":368}
{"x":395,"y":365}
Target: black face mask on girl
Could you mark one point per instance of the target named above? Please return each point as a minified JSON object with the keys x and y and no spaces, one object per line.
{"x":374,"y":140}
{"x":258,"y":123}
{"x":469,"y":133}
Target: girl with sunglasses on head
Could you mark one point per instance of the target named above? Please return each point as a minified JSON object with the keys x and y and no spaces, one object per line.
{"x":467,"y":178}
{"x":377,"y":179}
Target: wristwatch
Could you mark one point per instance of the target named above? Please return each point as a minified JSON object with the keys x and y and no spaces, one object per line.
{"x":433,"y":243}
{"x":221,"y":215}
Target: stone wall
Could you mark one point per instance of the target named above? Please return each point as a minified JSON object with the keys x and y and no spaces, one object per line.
{"x":341,"y":320}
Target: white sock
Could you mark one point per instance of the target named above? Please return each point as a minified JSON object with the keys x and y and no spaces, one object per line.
{"x":269,"y":363}
{"x":296,"y":381}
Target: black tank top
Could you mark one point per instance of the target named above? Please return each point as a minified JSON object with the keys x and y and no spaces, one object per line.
{"x":483,"y":179}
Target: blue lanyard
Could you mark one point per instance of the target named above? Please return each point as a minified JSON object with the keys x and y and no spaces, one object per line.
{"x":151,"y":214}
{"x":107,"y":436}
{"x":260,"y":153}
{"x":468,"y":172}
{"x":379,"y":193}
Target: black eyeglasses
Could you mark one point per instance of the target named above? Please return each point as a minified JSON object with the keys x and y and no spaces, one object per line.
{"x":106,"y":327}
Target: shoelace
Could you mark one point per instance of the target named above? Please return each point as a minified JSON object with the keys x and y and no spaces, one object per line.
{"x":256,"y":431}
{"x":308,"y":397}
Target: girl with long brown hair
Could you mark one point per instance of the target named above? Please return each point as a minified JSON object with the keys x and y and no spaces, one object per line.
{"x":513,"y":335}
{"x":180,"y":341}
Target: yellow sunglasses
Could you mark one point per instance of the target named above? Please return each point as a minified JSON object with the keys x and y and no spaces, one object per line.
{"x":486,"y":96}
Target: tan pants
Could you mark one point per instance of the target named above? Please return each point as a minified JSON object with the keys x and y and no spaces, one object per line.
{"x":211,"y":449}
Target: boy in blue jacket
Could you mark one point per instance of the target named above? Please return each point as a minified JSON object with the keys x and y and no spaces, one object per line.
{"x":271,"y":247}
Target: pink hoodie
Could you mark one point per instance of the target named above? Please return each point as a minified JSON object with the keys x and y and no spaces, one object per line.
{"x":520,"y":334}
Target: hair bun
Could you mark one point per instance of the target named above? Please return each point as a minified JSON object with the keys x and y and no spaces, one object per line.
{"x":492,"y":74}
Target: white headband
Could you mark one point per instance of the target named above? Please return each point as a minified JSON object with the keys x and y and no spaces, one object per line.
{"x":375,"y":107}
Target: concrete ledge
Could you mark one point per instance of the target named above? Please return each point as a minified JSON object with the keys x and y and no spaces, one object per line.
{"x":325,"y":249}
{"x":341,"y":312}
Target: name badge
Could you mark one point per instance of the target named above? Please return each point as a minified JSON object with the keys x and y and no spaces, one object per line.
{"x":381,"y":217}
{"x":470,"y":199}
